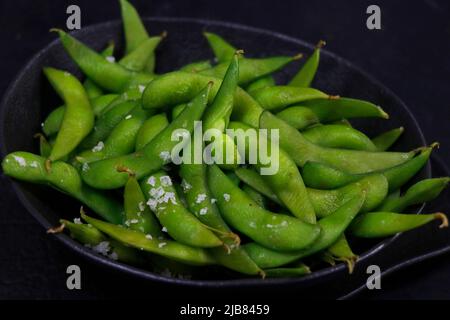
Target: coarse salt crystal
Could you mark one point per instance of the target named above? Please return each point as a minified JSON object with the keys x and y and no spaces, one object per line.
{"x":99,"y":147}
{"x":110,"y":59}
{"x":203,"y":211}
{"x":149,"y":236}
{"x":165,"y":181}
{"x":141,"y":88}
{"x":77,"y":220}
{"x":227,"y":197}
{"x":151,"y":181}
{"x":200,"y":198}
{"x":162,"y":244}
{"x":128,"y":117}
{"x":164,"y":229}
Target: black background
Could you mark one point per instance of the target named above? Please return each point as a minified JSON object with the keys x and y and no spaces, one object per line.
{"x":410,"y":55}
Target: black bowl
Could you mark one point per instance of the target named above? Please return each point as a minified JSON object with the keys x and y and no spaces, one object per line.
{"x":29,"y":99}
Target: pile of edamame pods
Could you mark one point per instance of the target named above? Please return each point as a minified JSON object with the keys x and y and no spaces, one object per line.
{"x":334,"y":184}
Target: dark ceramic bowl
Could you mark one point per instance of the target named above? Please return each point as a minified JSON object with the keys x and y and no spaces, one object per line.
{"x":29,"y":99}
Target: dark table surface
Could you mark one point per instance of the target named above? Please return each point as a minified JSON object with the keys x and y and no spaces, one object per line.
{"x":409,"y":55}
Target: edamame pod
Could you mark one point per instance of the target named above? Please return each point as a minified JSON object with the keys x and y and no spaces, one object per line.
{"x":137,"y":59}
{"x":352,"y":161}
{"x":306,"y":74}
{"x":384,"y":224}
{"x":287,"y":272}
{"x":93,"y":238}
{"x":298,"y":117}
{"x":150,"y":129}
{"x":255,"y":180}
{"x":166,"y":248}
{"x":78,"y":115}
{"x":223,"y":51}
{"x":341,"y":251}
{"x":421,"y":192}
{"x":197,"y":66}
{"x":92,"y":89}
{"x":103,"y":174}
{"x":337,"y":136}
{"x":264,"y":82}
{"x":275,"y":231}
{"x":255,"y":195}
{"x":178,"y":222}
{"x":385,"y":140}
{"x":321,"y":176}
{"x":279,"y":97}
{"x":63,"y":177}
{"x":333,"y":226}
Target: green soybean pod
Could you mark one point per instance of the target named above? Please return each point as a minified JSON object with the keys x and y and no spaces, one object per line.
{"x":352,"y":161}
{"x":197,"y":66}
{"x":223,"y":51}
{"x":276,"y":231}
{"x":78,"y":116}
{"x":121,"y":141}
{"x":341,"y":251}
{"x":297,"y":271}
{"x":138,"y":59}
{"x":137,"y":214}
{"x":63,"y":177}
{"x":103,"y":174}
{"x":255,"y":180}
{"x":166,"y":248}
{"x":279,"y":97}
{"x":255,"y":195}
{"x":150,"y":129}
{"x":321,"y":176}
{"x":332,"y":228}
{"x":326,"y":202}
{"x":45,"y":148}
{"x":306,"y":74}
{"x":93,"y":238}
{"x":178,"y":222}
{"x":92,"y":90}
{"x":385,"y":224}
{"x":134,"y":30}
{"x":298,"y":117}
{"x":263,"y":82}
{"x":385,"y":140}
{"x":252,"y":69}
{"x":421,"y":192}
{"x":337,"y":136}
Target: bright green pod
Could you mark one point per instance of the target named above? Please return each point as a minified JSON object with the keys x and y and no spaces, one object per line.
{"x":321,"y":176}
{"x":103,"y":174}
{"x":166,"y":248}
{"x":255,"y":180}
{"x":45,"y":148}
{"x":276,"y":231}
{"x":333,"y":226}
{"x":352,"y":161}
{"x":254,"y":195}
{"x":223,"y":51}
{"x":292,"y":272}
{"x":337,"y":136}
{"x":385,"y":224}
{"x":197,"y":66}
{"x":341,"y":251}
{"x":93,"y":238}
{"x":150,"y":129}
{"x":78,"y":117}
{"x":178,"y":222}
{"x":264,"y":82}
{"x":251,"y":69}
{"x":92,"y":89}
{"x":138,"y":215}
{"x":385,"y":140}
{"x":279,"y":97}
{"x":421,"y":192}
{"x":306,"y":74}
{"x":63,"y":177}
{"x":137,"y":59}
{"x":298,"y":117}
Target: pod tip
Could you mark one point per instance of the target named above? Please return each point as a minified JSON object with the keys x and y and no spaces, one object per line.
{"x":435,"y":145}
{"x":334,"y":97}
{"x":297,"y":56}
{"x":60,"y":31}
{"x":124,"y":169}
{"x":163,"y":34}
{"x":320,"y":44}
{"x":57,"y":229}
{"x":444,"y":220}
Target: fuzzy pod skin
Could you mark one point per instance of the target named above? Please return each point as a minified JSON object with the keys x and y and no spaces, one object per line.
{"x":276,"y":231}
{"x":175,"y":88}
{"x":166,"y":248}
{"x":385,"y":140}
{"x":103,"y":174}
{"x":298,"y":117}
{"x":277,"y":98}
{"x":338,"y":136}
{"x":180,"y":224}
{"x":150,"y":129}
{"x":385,"y":224}
{"x":321,"y":176}
{"x":421,"y":192}
{"x":352,"y":161}
{"x":63,"y":177}
{"x":78,"y":117}
{"x":332,"y":227}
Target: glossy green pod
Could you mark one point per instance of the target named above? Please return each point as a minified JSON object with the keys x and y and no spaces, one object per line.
{"x":305,"y":75}
{"x":223,"y":51}
{"x":178,"y":222}
{"x":166,"y":248}
{"x":385,"y":224}
{"x":385,"y":140}
{"x":263,"y":82}
{"x":276,"y":231}
{"x":298,"y":117}
{"x":78,"y":117}
{"x":150,"y":129}
{"x":63,"y":177}
{"x":197,"y":66}
{"x":92,"y":89}
{"x":332,"y":227}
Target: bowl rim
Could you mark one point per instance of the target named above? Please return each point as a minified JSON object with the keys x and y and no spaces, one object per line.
{"x":146,"y":274}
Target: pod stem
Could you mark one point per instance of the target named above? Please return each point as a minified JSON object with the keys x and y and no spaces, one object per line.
{"x":58,"y":229}
{"x":320,"y":44}
{"x":130,"y":172}
{"x":48,"y":165}
{"x":444,"y":220}
{"x":297,"y":56}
